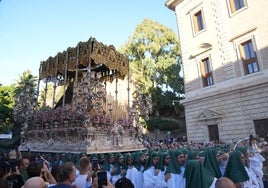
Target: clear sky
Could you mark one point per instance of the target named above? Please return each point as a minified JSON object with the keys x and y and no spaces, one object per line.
{"x":33,"y":30}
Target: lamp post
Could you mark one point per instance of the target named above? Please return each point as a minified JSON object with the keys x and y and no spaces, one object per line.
{"x":175,"y":101}
{"x":175,"y":104}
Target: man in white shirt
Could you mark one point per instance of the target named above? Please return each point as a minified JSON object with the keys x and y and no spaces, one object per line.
{"x":84,"y":169}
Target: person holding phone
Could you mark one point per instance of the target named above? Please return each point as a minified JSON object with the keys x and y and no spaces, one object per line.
{"x":102,"y":179}
{"x":95,"y":183}
{"x":66,"y":176}
{"x":36,"y":169}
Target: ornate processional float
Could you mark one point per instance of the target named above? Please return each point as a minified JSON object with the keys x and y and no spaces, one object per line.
{"x":95,"y":114}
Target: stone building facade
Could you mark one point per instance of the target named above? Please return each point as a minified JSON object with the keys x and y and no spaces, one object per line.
{"x":224,"y":46}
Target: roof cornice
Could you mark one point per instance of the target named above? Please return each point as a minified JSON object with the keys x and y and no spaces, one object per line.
{"x":171,"y":4}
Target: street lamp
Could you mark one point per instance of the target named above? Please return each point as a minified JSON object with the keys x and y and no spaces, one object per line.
{"x":175,"y":101}
{"x":175,"y":104}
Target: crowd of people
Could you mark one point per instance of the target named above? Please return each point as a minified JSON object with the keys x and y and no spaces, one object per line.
{"x":162,"y":165}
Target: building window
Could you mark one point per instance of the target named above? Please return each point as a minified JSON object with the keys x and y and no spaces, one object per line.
{"x":213,"y":132}
{"x":261,"y":128}
{"x":236,"y":5}
{"x":206,"y":71}
{"x":248,"y":57}
{"x":198,"y":22}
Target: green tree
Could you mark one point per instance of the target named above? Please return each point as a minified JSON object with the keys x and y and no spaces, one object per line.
{"x":155,"y":63}
{"x":26,"y":84}
{"x":25,"y":95}
{"x":6,"y":105}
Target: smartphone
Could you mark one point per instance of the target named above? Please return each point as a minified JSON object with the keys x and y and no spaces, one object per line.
{"x":102,"y":179}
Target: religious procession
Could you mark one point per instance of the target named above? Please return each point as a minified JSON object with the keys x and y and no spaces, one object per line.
{"x":164,"y":165}
{"x":85,"y":124}
{"x":91,"y":139}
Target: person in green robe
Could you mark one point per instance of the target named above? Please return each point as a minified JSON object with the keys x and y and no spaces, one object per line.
{"x":196,"y":175}
{"x":235,"y":169}
{"x":211,"y":163}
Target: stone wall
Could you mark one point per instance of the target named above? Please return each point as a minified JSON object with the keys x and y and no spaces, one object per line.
{"x":235,"y":99}
{"x":234,"y":112}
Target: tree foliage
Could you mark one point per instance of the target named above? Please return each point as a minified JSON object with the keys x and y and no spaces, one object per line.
{"x":25,"y":95}
{"x":26,"y":84}
{"x":155,"y":62}
{"x":6,"y":102}
{"x":10,"y":109}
